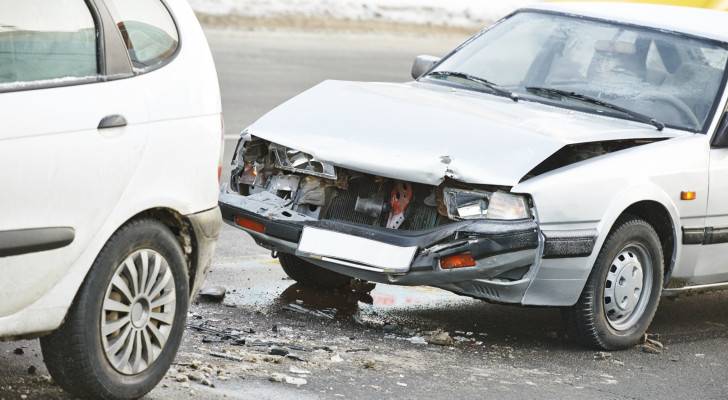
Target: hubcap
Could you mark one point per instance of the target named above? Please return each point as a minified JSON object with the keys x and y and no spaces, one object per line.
{"x":138,"y":312}
{"x":627,"y":287}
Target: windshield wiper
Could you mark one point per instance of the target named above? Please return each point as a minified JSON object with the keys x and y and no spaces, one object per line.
{"x":634,"y":115}
{"x":471,"y":78}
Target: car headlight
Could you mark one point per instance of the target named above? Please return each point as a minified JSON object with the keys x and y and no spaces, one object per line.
{"x":471,"y":204}
{"x":298,"y":161}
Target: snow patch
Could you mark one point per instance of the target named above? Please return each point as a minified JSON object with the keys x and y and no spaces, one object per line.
{"x":456,"y":13}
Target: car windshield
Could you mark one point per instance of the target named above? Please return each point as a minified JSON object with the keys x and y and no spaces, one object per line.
{"x":667,"y":77}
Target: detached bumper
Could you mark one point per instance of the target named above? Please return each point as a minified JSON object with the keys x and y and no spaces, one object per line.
{"x":504,"y":251}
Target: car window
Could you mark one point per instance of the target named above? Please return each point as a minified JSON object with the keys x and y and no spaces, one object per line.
{"x":148,"y":30}
{"x":673,"y":78}
{"x":46,"y":42}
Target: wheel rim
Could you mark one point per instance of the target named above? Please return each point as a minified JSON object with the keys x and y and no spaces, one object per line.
{"x":138,"y":312}
{"x":627,"y":287}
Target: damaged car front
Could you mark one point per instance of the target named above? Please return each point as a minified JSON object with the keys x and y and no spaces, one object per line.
{"x":378,"y":228}
{"x":552,"y":175}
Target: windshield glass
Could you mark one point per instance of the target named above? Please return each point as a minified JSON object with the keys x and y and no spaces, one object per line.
{"x":672,"y":78}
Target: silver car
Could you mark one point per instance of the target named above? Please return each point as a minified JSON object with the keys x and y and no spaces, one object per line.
{"x":569,"y":156}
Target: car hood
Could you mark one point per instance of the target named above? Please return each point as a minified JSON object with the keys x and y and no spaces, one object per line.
{"x":425,"y":133}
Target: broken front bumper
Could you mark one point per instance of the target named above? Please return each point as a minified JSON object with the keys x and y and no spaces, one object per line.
{"x":504,"y":251}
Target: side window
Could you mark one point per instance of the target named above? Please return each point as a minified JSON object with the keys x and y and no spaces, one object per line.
{"x":47,"y":42}
{"x":148,"y":30}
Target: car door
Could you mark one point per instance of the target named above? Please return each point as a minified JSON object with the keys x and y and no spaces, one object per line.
{"x":712,"y":265}
{"x":72,"y":133}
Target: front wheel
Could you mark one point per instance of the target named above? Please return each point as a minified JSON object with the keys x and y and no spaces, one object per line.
{"x":623,"y":291}
{"x":125,"y":326}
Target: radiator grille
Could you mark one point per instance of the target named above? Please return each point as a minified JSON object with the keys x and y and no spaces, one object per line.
{"x":418,"y":215}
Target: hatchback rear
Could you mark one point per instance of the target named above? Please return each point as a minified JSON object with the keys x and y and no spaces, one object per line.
{"x":109,"y":168}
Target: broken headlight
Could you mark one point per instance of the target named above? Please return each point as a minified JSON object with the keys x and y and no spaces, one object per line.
{"x":300,"y":162}
{"x":470,"y":204}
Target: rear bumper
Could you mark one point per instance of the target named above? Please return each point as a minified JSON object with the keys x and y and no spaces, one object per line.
{"x":505,"y":251}
{"x":206,"y":227}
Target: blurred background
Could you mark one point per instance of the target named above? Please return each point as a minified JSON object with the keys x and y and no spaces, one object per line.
{"x":358,"y":15}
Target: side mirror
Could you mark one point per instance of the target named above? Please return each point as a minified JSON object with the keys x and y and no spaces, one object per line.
{"x":423,"y":65}
{"x":720,"y":140}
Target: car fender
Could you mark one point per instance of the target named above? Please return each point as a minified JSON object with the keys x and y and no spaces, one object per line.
{"x":591,"y":195}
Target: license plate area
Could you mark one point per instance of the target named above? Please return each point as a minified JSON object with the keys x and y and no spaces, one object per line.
{"x":355,"y":251}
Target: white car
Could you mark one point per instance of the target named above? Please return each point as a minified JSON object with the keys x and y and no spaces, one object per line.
{"x":110,"y":153}
{"x":571,"y":155}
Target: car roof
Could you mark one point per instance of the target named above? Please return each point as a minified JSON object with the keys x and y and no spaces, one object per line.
{"x":692,"y":21}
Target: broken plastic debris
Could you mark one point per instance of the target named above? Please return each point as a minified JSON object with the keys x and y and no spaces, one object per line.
{"x":214,"y":293}
{"x":283,"y":378}
{"x":417,"y":340}
{"x":325,"y":313}
{"x":298,"y":371}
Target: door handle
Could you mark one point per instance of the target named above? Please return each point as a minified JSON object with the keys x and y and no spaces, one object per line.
{"x":112,"y":121}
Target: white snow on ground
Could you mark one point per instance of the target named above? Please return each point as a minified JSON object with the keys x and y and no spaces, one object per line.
{"x":456,"y":13}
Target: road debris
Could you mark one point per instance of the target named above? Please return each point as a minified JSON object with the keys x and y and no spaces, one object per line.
{"x":602,"y":356}
{"x":283,"y":378}
{"x":362,"y":350}
{"x":196,"y":376}
{"x":277,"y":351}
{"x":337,"y":358}
{"x":328,"y":313}
{"x":417,"y":340}
{"x":226,"y":356}
{"x":298,"y":371}
{"x":19,"y":351}
{"x":651,"y":344}
{"x":440,"y":338}
{"x":213,"y":293}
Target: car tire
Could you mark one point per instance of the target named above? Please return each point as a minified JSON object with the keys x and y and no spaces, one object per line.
{"x":311,"y":275}
{"x":623,"y":290}
{"x":79,"y":354}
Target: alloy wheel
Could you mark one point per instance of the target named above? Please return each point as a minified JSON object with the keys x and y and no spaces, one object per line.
{"x":138,"y":312}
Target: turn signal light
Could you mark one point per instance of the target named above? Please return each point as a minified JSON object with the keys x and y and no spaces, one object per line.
{"x":688,"y":196}
{"x":462,"y":260}
{"x":248,"y":223}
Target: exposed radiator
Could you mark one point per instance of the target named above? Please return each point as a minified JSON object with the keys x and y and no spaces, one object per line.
{"x":417,"y":217}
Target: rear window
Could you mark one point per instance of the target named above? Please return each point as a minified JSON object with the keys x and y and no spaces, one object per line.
{"x":46,"y":42}
{"x":148,"y":30}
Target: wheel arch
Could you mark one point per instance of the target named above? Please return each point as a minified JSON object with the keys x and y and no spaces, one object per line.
{"x":181,"y":228}
{"x":658,"y":216}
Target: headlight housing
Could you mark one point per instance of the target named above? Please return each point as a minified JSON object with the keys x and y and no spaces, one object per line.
{"x":300,"y":162}
{"x":473,"y":204}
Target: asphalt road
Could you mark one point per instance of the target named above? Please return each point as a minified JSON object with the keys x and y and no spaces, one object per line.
{"x":360,"y":345}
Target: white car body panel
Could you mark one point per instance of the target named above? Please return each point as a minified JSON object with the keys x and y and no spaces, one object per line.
{"x":460,"y":134}
{"x":571,"y":198}
{"x":59,"y":170}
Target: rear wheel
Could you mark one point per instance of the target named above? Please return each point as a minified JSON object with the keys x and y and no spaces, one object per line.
{"x":623,"y":290}
{"x":311,"y":275}
{"x":125,"y":326}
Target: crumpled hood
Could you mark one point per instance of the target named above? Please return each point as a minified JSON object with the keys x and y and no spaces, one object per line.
{"x":425,"y":133}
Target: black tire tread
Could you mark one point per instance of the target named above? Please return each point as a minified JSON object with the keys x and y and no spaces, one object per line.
{"x":581,"y":319}
{"x":63,"y":349}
